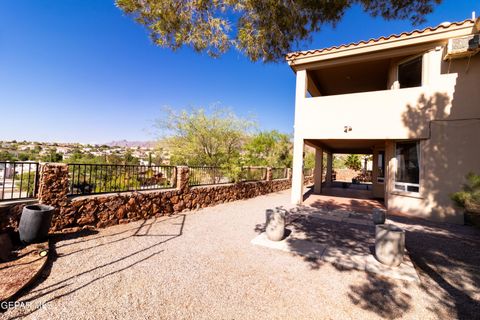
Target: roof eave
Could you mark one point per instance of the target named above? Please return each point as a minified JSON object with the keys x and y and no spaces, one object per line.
{"x":416,"y":37}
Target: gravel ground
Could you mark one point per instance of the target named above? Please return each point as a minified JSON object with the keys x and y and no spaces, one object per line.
{"x":201,"y":265}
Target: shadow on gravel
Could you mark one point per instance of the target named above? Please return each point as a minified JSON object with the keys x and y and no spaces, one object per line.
{"x":448,"y":262}
{"x":141,"y":231}
{"x":386,"y":298}
{"x":446,"y":257}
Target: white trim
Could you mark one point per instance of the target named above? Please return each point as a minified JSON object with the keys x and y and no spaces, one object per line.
{"x":381,"y":180}
{"x":407,"y":184}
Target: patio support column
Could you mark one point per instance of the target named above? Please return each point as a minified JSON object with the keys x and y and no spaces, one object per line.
{"x":328,"y":178}
{"x":317,"y":187}
{"x":298,"y":142}
{"x":297,"y":172}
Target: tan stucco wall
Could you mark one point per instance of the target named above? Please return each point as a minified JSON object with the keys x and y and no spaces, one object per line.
{"x":444,"y":113}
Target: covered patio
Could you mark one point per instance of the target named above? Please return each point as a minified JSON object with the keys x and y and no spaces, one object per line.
{"x":329,"y":194}
{"x":337,"y":198}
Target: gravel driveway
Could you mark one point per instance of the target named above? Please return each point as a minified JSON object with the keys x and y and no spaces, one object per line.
{"x":201,"y":265}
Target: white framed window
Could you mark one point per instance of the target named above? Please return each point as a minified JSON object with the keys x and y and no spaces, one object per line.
{"x":409,"y":72}
{"x":381,"y":166}
{"x":407,"y":169}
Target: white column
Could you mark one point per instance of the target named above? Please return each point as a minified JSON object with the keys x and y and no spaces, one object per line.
{"x":297,"y":172}
{"x":317,"y":188}
{"x":298,"y":143}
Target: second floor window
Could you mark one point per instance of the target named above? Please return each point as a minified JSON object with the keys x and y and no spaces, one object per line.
{"x":410,"y":73}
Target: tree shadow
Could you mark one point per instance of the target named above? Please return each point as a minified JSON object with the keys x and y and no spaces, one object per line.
{"x":446,"y":255}
{"x":448,"y":262}
{"x":385,"y":298}
{"x":69,"y":282}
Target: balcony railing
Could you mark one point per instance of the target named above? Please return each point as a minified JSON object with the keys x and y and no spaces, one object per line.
{"x":279,"y":173}
{"x":18,"y":180}
{"x":387,"y":114}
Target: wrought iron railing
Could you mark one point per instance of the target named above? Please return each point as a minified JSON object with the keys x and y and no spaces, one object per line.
{"x":253,"y":173}
{"x":18,"y":180}
{"x":308,"y":172}
{"x":209,"y":175}
{"x":104,"y":178}
{"x":279,"y":173}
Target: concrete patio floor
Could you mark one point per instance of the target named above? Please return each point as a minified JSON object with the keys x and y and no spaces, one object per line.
{"x":308,"y":235}
{"x":201,"y":265}
{"x":333,"y":198}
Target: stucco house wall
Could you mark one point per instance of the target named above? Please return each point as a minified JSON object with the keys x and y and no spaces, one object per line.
{"x":443,"y":114}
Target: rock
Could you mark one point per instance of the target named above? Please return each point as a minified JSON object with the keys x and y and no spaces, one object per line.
{"x":102,"y":224}
{"x":379,"y":216}
{"x":71,"y":230}
{"x":121,"y":213}
{"x":88,"y":219}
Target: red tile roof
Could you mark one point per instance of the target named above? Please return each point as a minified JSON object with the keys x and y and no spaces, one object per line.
{"x":294,"y":55}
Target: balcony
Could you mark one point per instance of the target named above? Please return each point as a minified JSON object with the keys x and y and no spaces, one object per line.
{"x":385,"y":114}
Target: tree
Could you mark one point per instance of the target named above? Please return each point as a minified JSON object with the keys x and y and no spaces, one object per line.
{"x":7,"y":156}
{"x":130,"y":159}
{"x":196,"y":137}
{"x":269,"y":148}
{"x":353,"y":162}
{"x":265,"y":30}
{"x":52,"y":156}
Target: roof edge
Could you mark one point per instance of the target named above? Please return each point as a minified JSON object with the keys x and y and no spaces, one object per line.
{"x":294,"y":56}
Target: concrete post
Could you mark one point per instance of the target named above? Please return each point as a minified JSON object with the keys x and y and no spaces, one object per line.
{"x":298,"y":142}
{"x":317,"y":187}
{"x":289,"y":173}
{"x":297,"y":173}
{"x":269,"y":174}
{"x":328,"y":176}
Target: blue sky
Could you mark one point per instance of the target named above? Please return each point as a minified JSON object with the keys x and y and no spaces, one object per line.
{"x":82,"y":71}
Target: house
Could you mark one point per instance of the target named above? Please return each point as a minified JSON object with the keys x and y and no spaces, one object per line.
{"x":411,"y":100}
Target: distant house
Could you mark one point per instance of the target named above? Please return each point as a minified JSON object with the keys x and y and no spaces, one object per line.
{"x":411,"y":100}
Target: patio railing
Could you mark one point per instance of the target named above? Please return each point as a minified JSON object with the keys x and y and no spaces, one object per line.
{"x":279,"y":173}
{"x":18,"y":180}
{"x":104,"y":178}
{"x":308,"y":172}
{"x":253,"y":173}
{"x":208,"y":175}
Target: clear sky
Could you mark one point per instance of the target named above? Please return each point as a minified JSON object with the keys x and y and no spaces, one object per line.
{"x":82,"y":71}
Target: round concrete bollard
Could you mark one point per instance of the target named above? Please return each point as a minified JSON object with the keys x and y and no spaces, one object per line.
{"x":379,"y":216}
{"x":275,"y":224}
{"x":389,"y":244}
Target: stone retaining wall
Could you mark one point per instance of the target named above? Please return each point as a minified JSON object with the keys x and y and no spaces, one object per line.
{"x":98,"y":211}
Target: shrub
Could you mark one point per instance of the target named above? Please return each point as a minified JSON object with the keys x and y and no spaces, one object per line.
{"x":469,"y":196}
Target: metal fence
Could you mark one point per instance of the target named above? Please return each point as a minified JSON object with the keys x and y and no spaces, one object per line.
{"x":253,"y":173}
{"x":104,"y":178}
{"x":18,"y":180}
{"x":209,"y":175}
{"x":307,"y":172}
{"x":279,"y":173}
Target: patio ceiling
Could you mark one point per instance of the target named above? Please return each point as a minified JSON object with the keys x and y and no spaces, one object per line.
{"x":350,"y":78}
{"x":347,"y":146}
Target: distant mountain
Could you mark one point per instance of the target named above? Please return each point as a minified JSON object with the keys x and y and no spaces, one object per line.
{"x":132,"y":144}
